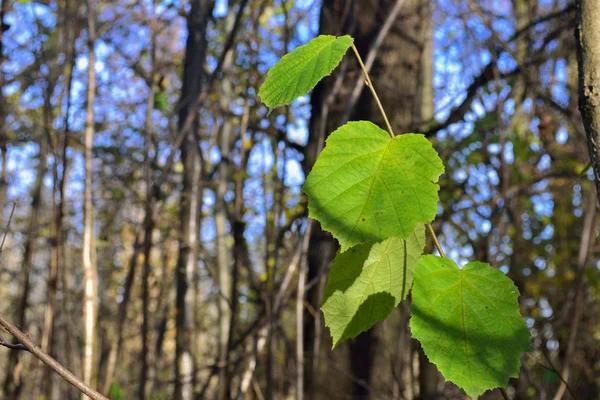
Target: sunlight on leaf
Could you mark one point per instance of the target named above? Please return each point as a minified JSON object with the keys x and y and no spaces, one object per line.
{"x":468,"y":322}
{"x":367,"y":281}
{"x":366,"y":187}
{"x":299,"y":71}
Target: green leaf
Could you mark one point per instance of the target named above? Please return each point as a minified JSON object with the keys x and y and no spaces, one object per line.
{"x":299,"y":71}
{"x":116,"y":392}
{"x":585,"y":170}
{"x":161,"y":101}
{"x":367,"y":281}
{"x":468,"y":322}
{"x":367,"y":187}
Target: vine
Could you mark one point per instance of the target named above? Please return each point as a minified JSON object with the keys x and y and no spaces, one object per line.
{"x":377,"y":193}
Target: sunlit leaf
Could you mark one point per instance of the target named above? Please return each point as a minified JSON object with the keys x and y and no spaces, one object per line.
{"x":299,"y":71}
{"x":367,"y":281}
{"x":468,"y":322}
{"x":367,"y":187}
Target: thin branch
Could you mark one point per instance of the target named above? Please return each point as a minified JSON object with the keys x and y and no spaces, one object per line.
{"x":12,"y":212}
{"x":387,"y":122}
{"x":370,"y":60}
{"x":47,"y":359}
{"x":12,"y":346}
{"x":486,"y":75}
{"x":552,"y":368}
{"x":370,"y":85}
{"x":435,"y":240}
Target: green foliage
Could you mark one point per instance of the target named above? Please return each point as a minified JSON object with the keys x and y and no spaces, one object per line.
{"x":116,"y":391}
{"x":367,"y":281}
{"x":367,"y":187}
{"x":374,"y":194}
{"x":299,"y":71}
{"x":468,"y":322}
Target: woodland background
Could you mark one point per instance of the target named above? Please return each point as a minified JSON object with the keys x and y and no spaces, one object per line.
{"x":158,"y":182}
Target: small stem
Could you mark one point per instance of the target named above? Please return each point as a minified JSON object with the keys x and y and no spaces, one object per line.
{"x":435,"y":240}
{"x":12,"y":211}
{"x":391,"y":132}
{"x":370,"y":85}
{"x":504,"y":394}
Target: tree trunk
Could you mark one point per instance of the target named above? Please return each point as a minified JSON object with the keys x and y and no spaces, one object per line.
{"x":587,"y":33}
{"x":3,"y":113}
{"x":58,"y":208}
{"x":117,"y":339}
{"x":90,"y":272}
{"x":399,"y":79}
{"x":221,"y":217}
{"x":148,"y":218}
{"x":14,"y":383}
{"x":191,"y":196}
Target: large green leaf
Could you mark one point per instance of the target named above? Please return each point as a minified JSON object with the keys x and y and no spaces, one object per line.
{"x":468,"y":322}
{"x":367,"y":187}
{"x":367,"y":281}
{"x":299,"y":71}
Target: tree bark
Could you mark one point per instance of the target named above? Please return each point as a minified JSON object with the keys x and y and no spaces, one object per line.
{"x":3,"y":113}
{"x":191,"y":196}
{"x":398,"y":76}
{"x":221,"y":217}
{"x":148,"y":217}
{"x":13,"y":383}
{"x":587,"y":34}
{"x":88,"y":250}
{"x":588,"y":236}
{"x":58,"y":206}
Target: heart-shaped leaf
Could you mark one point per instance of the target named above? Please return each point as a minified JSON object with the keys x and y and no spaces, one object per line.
{"x":468,"y":322}
{"x":367,"y":187}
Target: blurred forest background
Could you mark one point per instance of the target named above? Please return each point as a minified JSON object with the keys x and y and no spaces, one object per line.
{"x":157,"y":246}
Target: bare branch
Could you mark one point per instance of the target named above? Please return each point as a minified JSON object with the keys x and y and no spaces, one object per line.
{"x":27,"y":344}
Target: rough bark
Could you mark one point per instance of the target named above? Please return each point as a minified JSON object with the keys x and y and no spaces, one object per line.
{"x":587,"y":34}
{"x":191,"y":196}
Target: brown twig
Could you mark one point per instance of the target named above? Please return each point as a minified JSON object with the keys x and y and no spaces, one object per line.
{"x":27,"y":344}
{"x":12,"y":211}
{"x":12,"y":346}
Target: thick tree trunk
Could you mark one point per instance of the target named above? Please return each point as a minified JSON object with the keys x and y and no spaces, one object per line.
{"x":191,"y":197}
{"x":587,"y":34}
{"x":398,"y":76}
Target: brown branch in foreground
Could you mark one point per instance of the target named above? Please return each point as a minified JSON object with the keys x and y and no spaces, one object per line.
{"x":28,"y":345}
